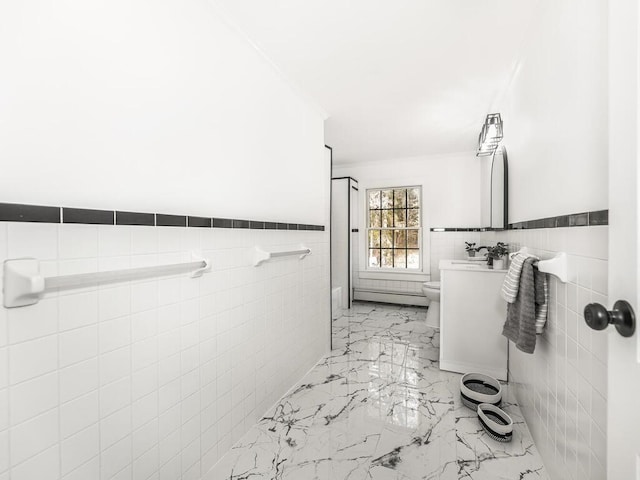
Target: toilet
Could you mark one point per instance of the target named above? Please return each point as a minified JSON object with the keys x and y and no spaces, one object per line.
{"x":431,"y":290}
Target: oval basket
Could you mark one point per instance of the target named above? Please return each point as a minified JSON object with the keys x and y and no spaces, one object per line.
{"x":495,"y":422}
{"x":477,"y":388}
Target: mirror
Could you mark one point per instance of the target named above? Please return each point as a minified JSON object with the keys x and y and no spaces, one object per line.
{"x":493,"y":190}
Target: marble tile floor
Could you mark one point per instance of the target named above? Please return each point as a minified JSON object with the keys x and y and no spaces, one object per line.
{"x":377,"y":407}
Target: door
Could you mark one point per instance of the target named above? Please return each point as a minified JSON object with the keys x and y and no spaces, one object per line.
{"x":623,"y":404}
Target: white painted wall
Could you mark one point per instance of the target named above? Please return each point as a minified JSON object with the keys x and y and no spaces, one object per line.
{"x":555,"y":113}
{"x":159,"y":107}
{"x":450,"y":198}
{"x":450,"y":185}
{"x":149,"y":106}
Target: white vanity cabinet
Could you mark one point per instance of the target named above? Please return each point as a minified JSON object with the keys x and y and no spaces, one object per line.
{"x":472,"y":314}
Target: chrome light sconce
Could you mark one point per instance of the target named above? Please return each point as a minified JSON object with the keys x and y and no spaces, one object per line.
{"x":490,"y":135}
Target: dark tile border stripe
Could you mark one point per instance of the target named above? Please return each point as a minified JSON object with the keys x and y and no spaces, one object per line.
{"x":135,"y":218}
{"x":241,"y":224}
{"x":163,"y":220}
{"x":202,"y":222}
{"x":585,"y":219}
{"x":86,"y":216}
{"x":601,"y":217}
{"x":15,"y":212}
{"x":463,"y":229}
{"x":222,"y":223}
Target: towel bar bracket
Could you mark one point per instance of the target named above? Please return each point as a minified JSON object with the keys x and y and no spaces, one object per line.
{"x":556,"y":266}
{"x":22,"y":284}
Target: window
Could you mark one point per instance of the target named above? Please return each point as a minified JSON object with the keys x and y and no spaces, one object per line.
{"x":393,"y":232}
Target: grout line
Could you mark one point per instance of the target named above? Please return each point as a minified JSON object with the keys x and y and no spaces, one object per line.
{"x":7,"y":371}
{"x":57,"y":333}
{"x":130,"y":346}
{"x":100,"y":386}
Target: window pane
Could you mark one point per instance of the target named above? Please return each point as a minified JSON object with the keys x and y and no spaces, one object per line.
{"x":374,"y":199}
{"x":387,"y":238}
{"x":413,"y":198}
{"x":374,"y":218}
{"x":413,"y":219}
{"x":412,"y":239}
{"x":399,"y":198}
{"x":400,"y":258}
{"x":400,"y":238}
{"x":374,"y":238}
{"x":387,"y":258}
{"x":393,"y":234}
{"x":387,"y":218}
{"x":413,"y":258}
{"x":374,"y":258}
{"x":387,"y":198}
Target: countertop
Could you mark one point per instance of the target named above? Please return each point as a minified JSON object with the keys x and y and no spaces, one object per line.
{"x":470,"y":266}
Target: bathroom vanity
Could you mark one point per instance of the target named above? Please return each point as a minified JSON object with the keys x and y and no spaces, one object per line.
{"x":472,"y":313}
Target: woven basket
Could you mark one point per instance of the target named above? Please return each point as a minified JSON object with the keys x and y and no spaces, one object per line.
{"x":495,"y":422}
{"x":477,"y":388}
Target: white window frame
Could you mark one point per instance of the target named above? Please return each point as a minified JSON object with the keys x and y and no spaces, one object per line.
{"x":368,"y":228}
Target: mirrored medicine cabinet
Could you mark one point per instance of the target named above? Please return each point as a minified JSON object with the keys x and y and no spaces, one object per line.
{"x":494,"y":190}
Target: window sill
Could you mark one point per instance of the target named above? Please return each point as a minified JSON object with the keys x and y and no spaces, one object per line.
{"x":391,"y":275}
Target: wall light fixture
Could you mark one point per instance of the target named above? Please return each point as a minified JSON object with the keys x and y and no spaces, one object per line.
{"x":490,"y":135}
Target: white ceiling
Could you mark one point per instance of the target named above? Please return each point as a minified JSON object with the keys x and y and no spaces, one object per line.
{"x":397,"y":78}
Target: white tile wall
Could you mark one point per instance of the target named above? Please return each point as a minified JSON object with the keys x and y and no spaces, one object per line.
{"x":450,"y":245}
{"x":443,"y":245}
{"x":152,"y":379}
{"x":562,"y":387}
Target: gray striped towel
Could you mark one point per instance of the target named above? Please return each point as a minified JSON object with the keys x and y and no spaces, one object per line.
{"x":520,"y":326}
{"x":542,"y":300}
{"x":512,"y":278}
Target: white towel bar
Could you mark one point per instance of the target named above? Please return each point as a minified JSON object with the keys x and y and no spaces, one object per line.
{"x":262,"y":256}
{"x":23,"y":285}
{"x":556,"y":266}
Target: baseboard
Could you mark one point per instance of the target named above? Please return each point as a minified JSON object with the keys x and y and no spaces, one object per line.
{"x":498,"y":373}
{"x":399,"y":298}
